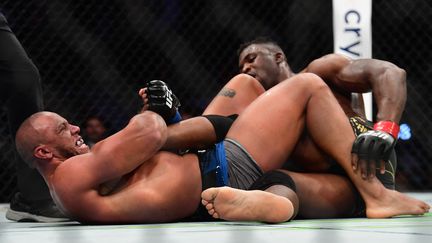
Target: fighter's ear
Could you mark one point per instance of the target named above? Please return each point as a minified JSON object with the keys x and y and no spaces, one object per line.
{"x":42,"y":152}
{"x":279,"y":57}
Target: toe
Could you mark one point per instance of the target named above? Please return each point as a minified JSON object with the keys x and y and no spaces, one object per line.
{"x":204,"y":202}
{"x":209,"y":194}
{"x":209,"y":206}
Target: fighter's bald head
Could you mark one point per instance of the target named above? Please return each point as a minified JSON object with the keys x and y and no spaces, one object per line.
{"x":29,"y":135}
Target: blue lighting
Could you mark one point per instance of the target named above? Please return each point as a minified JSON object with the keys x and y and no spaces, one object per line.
{"x":404,"y":132}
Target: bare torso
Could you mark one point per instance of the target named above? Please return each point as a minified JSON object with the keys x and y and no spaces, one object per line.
{"x":167,"y":187}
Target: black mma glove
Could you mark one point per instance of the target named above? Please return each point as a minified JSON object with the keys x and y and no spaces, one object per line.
{"x":162,"y":101}
{"x":374,"y":148}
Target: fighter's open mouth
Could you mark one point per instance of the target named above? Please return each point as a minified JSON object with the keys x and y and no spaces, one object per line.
{"x":79,"y":142}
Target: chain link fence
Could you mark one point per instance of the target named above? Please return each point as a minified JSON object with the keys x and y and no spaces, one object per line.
{"x":93,"y":55}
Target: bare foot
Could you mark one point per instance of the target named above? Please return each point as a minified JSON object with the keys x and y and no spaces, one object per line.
{"x":240,"y":205}
{"x":393,"y":203}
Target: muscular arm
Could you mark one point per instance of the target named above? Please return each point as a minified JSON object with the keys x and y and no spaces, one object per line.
{"x":76,"y":181}
{"x":384,"y":79}
{"x":122,"y":152}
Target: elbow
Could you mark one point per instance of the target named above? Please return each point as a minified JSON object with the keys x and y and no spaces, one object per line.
{"x":157,"y":129}
{"x":151,"y":126}
{"x":396,"y":74}
{"x":402,"y":74}
{"x":392,"y":78}
{"x":159,"y":136}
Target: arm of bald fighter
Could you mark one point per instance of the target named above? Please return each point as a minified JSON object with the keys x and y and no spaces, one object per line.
{"x":130,"y":147}
{"x":76,"y":181}
{"x":81,"y":200}
{"x":384,"y":79}
{"x":122,"y":152}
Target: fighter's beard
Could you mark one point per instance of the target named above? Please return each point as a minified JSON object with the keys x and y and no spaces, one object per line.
{"x":66,"y":153}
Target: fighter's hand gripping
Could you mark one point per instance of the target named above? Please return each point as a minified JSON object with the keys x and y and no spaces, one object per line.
{"x":373,"y":148}
{"x":159,"y":98}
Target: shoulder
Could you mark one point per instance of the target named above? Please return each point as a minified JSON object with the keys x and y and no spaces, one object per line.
{"x":74,"y":185}
{"x":328,"y":66}
{"x":73,"y":173}
{"x":330,"y":60}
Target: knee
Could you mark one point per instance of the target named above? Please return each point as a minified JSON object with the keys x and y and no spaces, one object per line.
{"x":246,"y":82}
{"x":312,"y":80}
{"x":309,"y":82}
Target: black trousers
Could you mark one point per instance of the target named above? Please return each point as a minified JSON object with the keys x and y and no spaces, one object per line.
{"x":21,"y":93}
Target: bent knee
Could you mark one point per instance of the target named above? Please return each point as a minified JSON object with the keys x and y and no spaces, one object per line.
{"x":311,"y":80}
{"x":243,"y":81}
{"x":307,"y":82}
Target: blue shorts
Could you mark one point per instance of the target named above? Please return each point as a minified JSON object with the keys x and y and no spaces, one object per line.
{"x":213,"y":165}
{"x":228,"y":164}
{"x":225,"y":164}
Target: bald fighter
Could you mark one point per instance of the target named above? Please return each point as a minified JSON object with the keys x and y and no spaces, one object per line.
{"x":126,"y":178}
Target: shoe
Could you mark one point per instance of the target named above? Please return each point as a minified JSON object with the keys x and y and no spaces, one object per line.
{"x":22,"y":210}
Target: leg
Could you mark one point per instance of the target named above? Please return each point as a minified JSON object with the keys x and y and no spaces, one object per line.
{"x":235,"y":96}
{"x":316,"y":196}
{"x":307,"y":156}
{"x":324,"y":195}
{"x":271,"y":126}
{"x":240,"y":205}
{"x":23,"y":98}
{"x":321,"y":194}
{"x":280,"y":115}
{"x":271,"y":198}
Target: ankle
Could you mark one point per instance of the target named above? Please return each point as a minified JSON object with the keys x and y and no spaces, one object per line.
{"x":374,"y":191}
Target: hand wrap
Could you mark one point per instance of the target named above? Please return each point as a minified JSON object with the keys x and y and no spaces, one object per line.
{"x":376,"y":145}
{"x":162,"y":101}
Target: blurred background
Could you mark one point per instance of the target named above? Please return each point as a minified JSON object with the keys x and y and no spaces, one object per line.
{"x":94,"y":55}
